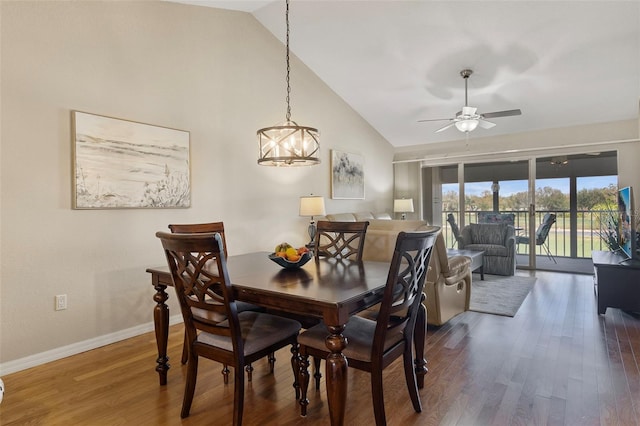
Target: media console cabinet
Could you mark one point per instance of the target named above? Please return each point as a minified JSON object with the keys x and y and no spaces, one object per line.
{"x":616,"y":281}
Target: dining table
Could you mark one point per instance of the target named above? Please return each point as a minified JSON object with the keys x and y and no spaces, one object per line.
{"x":326,"y":288}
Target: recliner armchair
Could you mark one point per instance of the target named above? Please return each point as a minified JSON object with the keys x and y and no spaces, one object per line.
{"x":448,"y":284}
{"x":497,"y":240}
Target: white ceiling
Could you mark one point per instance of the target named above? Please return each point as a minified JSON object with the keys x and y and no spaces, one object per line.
{"x":396,"y":62}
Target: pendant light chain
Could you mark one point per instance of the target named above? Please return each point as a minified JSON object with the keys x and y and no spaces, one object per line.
{"x":288,"y":117}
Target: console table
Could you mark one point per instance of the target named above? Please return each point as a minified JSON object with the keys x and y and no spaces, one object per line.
{"x":616,"y":281}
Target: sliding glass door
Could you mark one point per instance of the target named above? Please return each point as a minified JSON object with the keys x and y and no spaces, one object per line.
{"x":573,"y":193}
{"x":499,"y":192}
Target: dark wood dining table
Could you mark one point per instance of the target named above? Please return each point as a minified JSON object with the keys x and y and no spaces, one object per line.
{"x":330,"y":289}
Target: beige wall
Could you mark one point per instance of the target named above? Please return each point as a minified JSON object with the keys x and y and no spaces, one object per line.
{"x":216,"y":73}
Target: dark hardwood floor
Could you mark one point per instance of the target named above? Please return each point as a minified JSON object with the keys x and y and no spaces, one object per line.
{"x":555,"y":363}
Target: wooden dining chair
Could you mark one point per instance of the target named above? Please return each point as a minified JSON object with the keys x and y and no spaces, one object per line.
{"x":215,"y":328}
{"x":198,"y":228}
{"x":343,"y":240}
{"x":374,"y":345}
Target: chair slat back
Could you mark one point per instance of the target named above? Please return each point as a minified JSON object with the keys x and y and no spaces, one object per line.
{"x":405,"y":282}
{"x":545,"y":226}
{"x":454,"y":228}
{"x":198,"y":228}
{"x":201,"y":280}
{"x":342,"y":240}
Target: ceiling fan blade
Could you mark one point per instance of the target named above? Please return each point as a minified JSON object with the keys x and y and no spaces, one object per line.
{"x":445,"y":127}
{"x":435,"y":119}
{"x":506,"y":113}
{"x":485,"y":124}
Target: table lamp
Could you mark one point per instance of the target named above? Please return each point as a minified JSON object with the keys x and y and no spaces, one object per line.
{"x":404,"y":206}
{"x":312,"y":205}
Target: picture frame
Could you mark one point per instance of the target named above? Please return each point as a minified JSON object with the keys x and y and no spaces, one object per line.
{"x":120,"y":164}
{"x":347,"y":176}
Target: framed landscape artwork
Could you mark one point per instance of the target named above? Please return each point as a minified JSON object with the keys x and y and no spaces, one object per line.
{"x":347,"y":176}
{"x":125,"y":164}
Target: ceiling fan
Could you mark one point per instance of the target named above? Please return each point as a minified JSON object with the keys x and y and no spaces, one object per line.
{"x":468,"y":119}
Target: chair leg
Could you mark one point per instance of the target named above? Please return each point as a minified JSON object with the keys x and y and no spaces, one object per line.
{"x":272,"y":362}
{"x":549,"y":255}
{"x":295,"y":366}
{"x":190,"y":386}
{"x":316,"y":371}
{"x":238,"y":396}
{"x":303,"y":378}
{"x":419,"y":340}
{"x":185,"y":350}
{"x":225,"y":373}
{"x":249,"y":370}
{"x":410,"y":377}
{"x":378,"y":396}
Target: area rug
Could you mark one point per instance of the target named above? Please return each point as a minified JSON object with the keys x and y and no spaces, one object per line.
{"x":499,"y":295}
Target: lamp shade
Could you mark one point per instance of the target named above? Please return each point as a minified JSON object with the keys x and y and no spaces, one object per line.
{"x":312,"y":205}
{"x":467,"y":125}
{"x":403,"y":205}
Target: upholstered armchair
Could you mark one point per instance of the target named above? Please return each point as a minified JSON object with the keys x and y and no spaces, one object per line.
{"x":497,"y":241}
{"x":448,"y":284}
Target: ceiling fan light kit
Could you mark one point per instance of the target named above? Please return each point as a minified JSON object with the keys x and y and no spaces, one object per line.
{"x":468,"y":119}
{"x":467,"y":125}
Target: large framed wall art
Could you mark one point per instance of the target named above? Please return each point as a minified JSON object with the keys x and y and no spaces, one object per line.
{"x":125,"y":164}
{"x":347,"y":175}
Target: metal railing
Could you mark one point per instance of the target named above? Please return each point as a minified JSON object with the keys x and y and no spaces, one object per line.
{"x":589,"y":226}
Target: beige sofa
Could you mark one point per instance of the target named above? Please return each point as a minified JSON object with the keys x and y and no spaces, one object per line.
{"x":448,"y":283}
{"x":357,"y":217}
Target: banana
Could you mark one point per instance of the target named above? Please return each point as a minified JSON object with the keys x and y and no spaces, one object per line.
{"x":282,"y":247}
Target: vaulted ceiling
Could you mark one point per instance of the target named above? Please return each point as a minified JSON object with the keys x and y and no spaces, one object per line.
{"x":563,"y":63}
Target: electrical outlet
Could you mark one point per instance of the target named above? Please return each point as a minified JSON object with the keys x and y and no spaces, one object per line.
{"x":61,"y":302}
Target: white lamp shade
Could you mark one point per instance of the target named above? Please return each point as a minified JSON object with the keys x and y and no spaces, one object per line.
{"x":312,"y":205}
{"x":404,"y":205}
{"x":468,"y":125}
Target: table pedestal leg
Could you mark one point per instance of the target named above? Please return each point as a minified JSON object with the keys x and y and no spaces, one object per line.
{"x":161,"y":324}
{"x":419,"y":335}
{"x":336,"y":375}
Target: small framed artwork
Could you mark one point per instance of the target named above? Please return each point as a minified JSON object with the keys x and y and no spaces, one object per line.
{"x":125,"y":164}
{"x":347,"y":176}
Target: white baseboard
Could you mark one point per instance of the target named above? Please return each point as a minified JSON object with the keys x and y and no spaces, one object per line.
{"x":79,"y":347}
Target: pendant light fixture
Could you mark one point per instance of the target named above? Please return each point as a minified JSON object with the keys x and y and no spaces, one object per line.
{"x":288,"y":144}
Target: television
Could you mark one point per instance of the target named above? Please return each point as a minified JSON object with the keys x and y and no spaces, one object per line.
{"x":626,"y":233}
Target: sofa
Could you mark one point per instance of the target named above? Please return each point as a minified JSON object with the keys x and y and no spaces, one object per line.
{"x":497,"y":241}
{"x":358,"y":216}
{"x":381,"y":234}
{"x":448,"y":283}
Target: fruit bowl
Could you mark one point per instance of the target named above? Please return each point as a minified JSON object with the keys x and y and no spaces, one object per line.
{"x":304,"y":258}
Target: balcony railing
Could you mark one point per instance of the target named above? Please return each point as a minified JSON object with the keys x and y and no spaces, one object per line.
{"x":590,"y":224}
